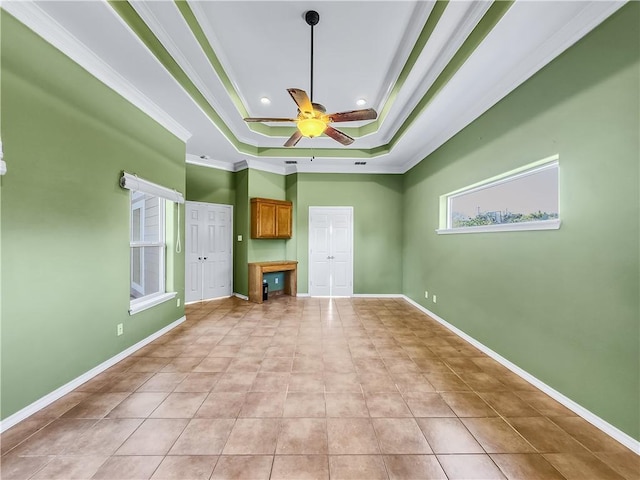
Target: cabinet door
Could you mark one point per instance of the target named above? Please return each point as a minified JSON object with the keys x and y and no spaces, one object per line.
{"x":283,"y":221}
{"x":266,"y":220}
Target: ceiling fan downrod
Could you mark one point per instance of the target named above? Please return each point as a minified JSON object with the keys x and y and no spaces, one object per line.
{"x":312,"y":18}
{"x":312,"y":119}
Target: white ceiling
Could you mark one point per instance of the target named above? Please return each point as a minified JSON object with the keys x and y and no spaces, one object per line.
{"x":361,"y":47}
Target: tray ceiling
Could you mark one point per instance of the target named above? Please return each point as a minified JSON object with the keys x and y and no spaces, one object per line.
{"x":428,"y":68}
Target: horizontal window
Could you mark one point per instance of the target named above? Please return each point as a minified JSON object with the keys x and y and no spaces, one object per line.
{"x":522,"y":199}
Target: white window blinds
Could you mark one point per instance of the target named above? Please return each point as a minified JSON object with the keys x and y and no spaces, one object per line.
{"x":136,"y":184}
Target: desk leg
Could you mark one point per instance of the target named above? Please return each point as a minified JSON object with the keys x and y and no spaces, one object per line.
{"x":255,"y":284}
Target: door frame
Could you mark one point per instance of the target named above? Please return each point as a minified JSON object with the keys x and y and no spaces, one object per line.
{"x":231,"y":235}
{"x":350,"y":209}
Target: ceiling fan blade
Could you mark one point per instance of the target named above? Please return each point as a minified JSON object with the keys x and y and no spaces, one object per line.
{"x":353,"y":115}
{"x":338,"y":136}
{"x":302,"y":99}
{"x":267,"y":119}
{"x":293,"y":139}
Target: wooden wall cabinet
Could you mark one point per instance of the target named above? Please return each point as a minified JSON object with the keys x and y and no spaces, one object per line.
{"x":270,"y":218}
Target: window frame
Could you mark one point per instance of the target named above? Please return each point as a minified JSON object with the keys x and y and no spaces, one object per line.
{"x":445,"y":222}
{"x":136,"y":205}
{"x":139,"y":304}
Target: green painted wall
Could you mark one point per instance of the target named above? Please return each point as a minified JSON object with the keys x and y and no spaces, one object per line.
{"x":249,"y":184}
{"x":275,"y":281}
{"x":562,"y":305}
{"x":266,"y":185}
{"x":374,"y":198}
{"x":291,"y":194}
{"x":65,"y":220}
{"x":377,"y":242}
{"x":210,"y":185}
{"x":241,"y":227}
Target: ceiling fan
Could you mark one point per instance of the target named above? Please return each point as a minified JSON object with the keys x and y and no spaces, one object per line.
{"x":312,"y":120}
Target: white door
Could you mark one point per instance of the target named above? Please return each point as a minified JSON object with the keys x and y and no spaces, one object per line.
{"x":209,"y":255}
{"x":331,"y":251}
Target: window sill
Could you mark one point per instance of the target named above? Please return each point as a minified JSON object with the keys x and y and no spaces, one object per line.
{"x":504,"y":227}
{"x":142,"y":304}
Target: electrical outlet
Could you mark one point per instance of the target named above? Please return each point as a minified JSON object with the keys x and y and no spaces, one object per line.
{"x":178,"y":302}
{"x":426,"y":294}
{"x":434,"y":299}
{"x":239,"y":238}
{"x":277,"y":279}
{"x":120,"y":329}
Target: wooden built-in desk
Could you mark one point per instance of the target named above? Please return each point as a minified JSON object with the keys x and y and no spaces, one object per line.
{"x":257,"y":269}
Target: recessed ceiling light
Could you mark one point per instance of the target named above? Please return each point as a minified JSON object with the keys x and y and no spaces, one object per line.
{"x":361,"y":101}
{"x":265,"y":101}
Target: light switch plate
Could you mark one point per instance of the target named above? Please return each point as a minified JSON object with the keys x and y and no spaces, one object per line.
{"x":239,"y":238}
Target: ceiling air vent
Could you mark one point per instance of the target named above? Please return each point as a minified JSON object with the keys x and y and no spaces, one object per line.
{"x":290,"y":162}
{"x":361,"y":163}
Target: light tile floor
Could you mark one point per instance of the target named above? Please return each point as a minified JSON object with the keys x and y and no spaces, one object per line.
{"x":310,"y":389}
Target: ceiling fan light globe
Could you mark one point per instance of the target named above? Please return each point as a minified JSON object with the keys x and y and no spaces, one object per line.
{"x":311,"y":127}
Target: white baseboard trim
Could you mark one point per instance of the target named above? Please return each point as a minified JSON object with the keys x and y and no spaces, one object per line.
{"x":49,"y":398}
{"x":617,"y":434}
{"x":210,"y":299}
{"x":239,"y":295}
{"x":216,"y":298}
{"x":380,"y":295}
{"x":361,"y":295}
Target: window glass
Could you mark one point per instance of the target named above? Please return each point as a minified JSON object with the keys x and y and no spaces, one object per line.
{"x":528,"y":198}
{"x":147,"y":245}
{"x":523,"y":199}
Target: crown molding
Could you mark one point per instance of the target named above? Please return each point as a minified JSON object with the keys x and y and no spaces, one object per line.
{"x":145,"y":10}
{"x":32,"y":16}
{"x":592,"y":15}
{"x":214,"y":42}
{"x":461,"y":28}
{"x":206,"y":161}
{"x":262,"y":165}
{"x":420,"y":15}
{"x":348,"y":168}
{"x":287,"y":169}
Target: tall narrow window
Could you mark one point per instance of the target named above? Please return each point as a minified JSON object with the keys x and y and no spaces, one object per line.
{"x":522,"y":199}
{"x":147,"y":240}
{"x":147,"y":245}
